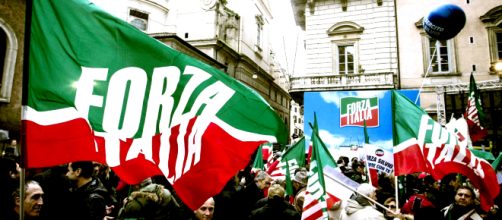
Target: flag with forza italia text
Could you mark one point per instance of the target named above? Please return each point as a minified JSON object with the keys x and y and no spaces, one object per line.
{"x":422,"y":144}
{"x":99,"y":89}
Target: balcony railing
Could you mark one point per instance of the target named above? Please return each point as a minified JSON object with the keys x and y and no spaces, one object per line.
{"x":342,"y":82}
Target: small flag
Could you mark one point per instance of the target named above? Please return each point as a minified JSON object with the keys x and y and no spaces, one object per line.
{"x":474,"y":113}
{"x":293,"y":158}
{"x":258,"y":160}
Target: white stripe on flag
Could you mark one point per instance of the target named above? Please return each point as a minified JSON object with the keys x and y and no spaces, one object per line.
{"x":405,"y":144}
{"x":50,"y":117}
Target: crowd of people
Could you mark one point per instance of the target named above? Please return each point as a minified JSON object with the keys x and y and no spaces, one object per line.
{"x":89,"y":190}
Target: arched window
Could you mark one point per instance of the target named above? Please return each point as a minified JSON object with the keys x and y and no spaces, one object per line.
{"x":8,"y":53}
{"x":345,"y":38}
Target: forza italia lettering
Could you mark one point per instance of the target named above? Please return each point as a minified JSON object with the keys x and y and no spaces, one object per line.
{"x":441,"y":146}
{"x":359,"y":111}
{"x":125,"y":108}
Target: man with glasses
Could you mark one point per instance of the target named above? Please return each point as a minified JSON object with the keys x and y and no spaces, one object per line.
{"x":464,"y":206}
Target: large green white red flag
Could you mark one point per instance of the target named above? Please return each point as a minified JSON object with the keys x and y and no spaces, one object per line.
{"x":100,"y":89}
{"x":422,"y":144}
{"x":474,"y":113}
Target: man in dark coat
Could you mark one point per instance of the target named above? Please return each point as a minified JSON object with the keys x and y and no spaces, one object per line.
{"x":276,"y":207}
{"x":88,"y":197}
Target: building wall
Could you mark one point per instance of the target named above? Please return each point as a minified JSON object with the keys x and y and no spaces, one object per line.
{"x":467,"y":54}
{"x":12,"y":14}
{"x":377,"y":46}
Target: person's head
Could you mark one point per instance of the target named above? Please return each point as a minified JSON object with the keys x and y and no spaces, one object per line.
{"x":357,"y":166}
{"x":390,"y":203}
{"x":276,"y":191}
{"x":465,"y":196}
{"x":262,"y":179}
{"x":367,"y":190}
{"x":300,"y":180}
{"x":9,"y":169}
{"x":83,"y":169}
{"x":32,"y":201}
{"x":205,"y":212}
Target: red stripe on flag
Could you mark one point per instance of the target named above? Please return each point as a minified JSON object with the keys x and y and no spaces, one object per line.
{"x":221,"y":157}
{"x":58,"y":144}
{"x":409,"y":160}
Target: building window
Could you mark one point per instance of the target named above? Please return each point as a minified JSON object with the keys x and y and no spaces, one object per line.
{"x":493,"y":24}
{"x":346,"y":59}
{"x":8,"y":54}
{"x":345,"y":43}
{"x":259,"y":33}
{"x":138,"y":19}
{"x":439,"y":56}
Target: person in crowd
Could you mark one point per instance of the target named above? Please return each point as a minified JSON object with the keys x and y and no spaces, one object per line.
{"x":391,"y":204}
{"x":9,"y":181}
{"x":275,"y":207}
{"x":206,"y":210}
{"x":359,"y":174}
{"x":253,"y":191}
{"x":89,"y":199}
{"x":464,"y":206}
{"x":57,"y":192}
{"x":299,"y":200}
{"x":359,"y":207}
{"x":226,"y":200}
{"x":422,"y":204}
{"x":343,"y":165}
{"x":32,"y":202}
{"x":447,"y":189}
{"x":150,"y":201}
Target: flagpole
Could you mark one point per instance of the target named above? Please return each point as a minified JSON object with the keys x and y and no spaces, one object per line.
{"x":396,"y":188}
{"x":24,"y":102}
{"x":354,"y":190}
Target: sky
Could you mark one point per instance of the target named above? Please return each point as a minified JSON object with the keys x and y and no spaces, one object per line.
{"x":289,"y":37}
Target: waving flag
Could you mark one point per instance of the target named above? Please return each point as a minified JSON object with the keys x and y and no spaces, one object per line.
{"x":293,"y":158}
{"x":474,"y":113}
{"x":317,"y":198}
{"x":99,"y":89}
{"x":422,"y":144}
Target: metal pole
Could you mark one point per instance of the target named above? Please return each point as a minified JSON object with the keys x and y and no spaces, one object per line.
{"x":22,"y":177}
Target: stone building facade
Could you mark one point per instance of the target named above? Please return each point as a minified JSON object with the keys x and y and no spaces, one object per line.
{"x":12,"y":19}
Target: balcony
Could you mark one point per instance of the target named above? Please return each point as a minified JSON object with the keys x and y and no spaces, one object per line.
{"x":343,"y":82}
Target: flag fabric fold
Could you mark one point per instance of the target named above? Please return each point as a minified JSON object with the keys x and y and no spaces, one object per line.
{"x":474,"y":113}
{"x":99,"y":89}
{"x":422,"y":144}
